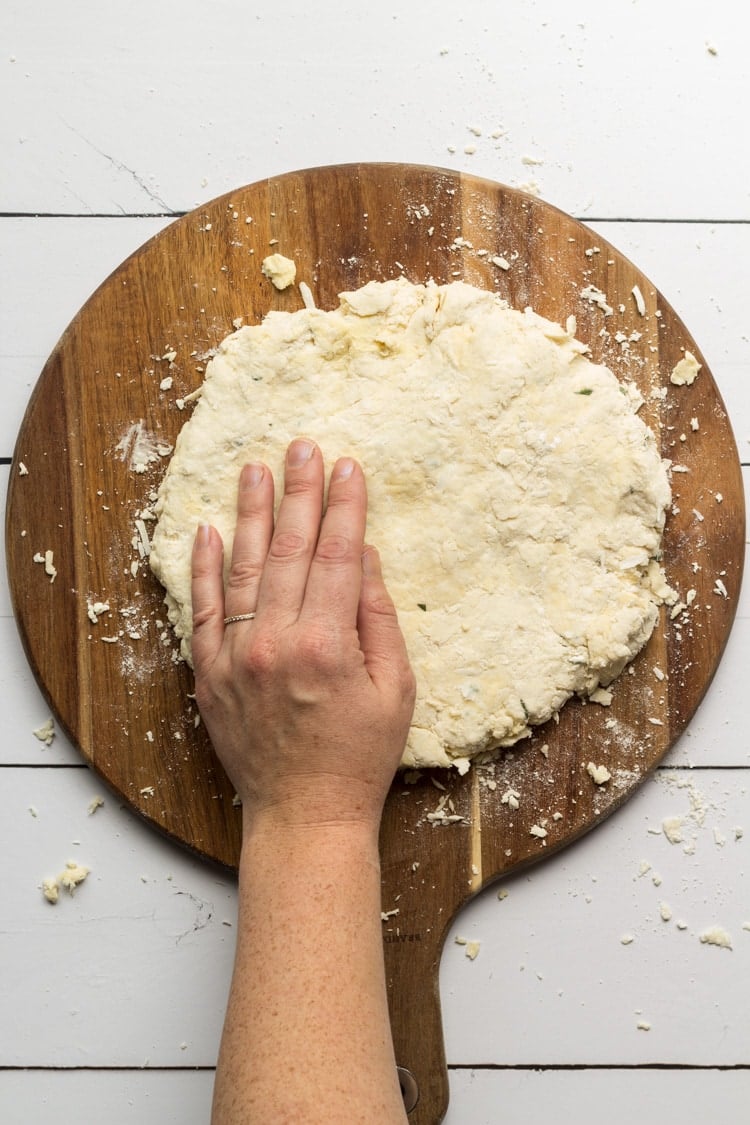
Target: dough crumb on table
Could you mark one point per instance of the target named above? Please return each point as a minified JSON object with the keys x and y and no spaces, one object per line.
{"x":471,"y":947}
{"x":517,"y":499}
{"x":46,"y":732}
{"x":672,"y":829}
{"x":68,"y":880}
{"x":716,"y":935}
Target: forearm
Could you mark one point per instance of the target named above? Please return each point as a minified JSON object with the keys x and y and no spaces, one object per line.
{"x":307,"y":1036}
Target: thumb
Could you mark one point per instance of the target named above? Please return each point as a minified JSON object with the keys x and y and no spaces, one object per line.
{"x":380,"y":637}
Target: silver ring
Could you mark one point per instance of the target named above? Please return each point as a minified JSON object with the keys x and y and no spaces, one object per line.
{"x":238,"y":617}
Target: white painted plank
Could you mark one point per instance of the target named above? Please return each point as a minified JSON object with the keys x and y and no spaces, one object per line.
{"x":79,"y":1097}
{"x":135,"y":967}
{"x":588,"y":1097}
{"x":554,"y":984}
{"x":627,"y":110}
{"x":478,"y":1097}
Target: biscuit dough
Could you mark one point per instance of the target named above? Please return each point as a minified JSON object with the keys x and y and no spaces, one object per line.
{"x":516,"y":498}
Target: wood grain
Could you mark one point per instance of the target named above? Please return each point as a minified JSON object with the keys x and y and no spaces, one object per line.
{"x":126,"y":703}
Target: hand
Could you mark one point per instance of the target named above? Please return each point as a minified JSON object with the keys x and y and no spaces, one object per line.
{"x":308,"y":705}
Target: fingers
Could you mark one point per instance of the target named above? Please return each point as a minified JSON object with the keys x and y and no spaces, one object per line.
{"x":208,"y":596}
{"x":333,"y":585}
{"x":252,"y":538}
{"x":285,"y":574}
{"x":380,"y":636}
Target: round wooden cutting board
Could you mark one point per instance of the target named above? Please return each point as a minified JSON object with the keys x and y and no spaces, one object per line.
{"x":95,"y":443}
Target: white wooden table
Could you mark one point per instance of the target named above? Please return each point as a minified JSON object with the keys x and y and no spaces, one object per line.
{"x":630,"y":115}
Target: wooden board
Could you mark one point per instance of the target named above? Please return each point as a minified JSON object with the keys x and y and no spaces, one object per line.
{"x":114,"y":686}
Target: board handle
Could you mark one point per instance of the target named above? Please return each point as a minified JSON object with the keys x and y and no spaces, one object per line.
{"x":417,"y":1028}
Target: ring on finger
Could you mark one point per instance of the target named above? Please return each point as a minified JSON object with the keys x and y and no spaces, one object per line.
{"x":238,"y":617}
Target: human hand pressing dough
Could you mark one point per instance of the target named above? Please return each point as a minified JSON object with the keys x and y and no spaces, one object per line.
{"x":308,"y":704}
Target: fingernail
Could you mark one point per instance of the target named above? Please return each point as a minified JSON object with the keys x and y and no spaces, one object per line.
{"x":344,"y":469}
{"x":300,"y":452}
{"x":251,"y":476}
{"x":203,"y":534}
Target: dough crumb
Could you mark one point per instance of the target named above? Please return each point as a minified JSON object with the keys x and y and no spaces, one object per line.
{"x":643,"y":1025}
{"x":596,"y":297}
{"x":72,"y":876}
{"x":46,"y":732}
{"x":69,"y":879}
{"x":279,"y":270}
{"x":640,"y":304}
{"x":471,"y":947}
{"x":47,"y":559}
{"x":686,"y":371}
{"x":598,"y":774}
{"x":94,"y":804}
{"x":627,"y":939}
{"x":51,"y":890}
{"x":511,"y":798}
{"x":95,"y":609}
{"x":716,"y":935}
{"x":671,"y":826}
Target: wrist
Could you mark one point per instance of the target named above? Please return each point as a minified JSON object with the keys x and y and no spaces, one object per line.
{"x":278,"y":831}
{"x":319,"y":805}
{"x":270,"y":830}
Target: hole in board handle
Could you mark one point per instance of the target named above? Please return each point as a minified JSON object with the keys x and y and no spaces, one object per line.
{"x":409,"y":1088}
